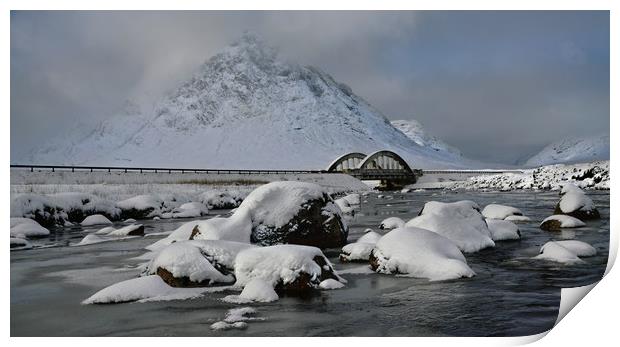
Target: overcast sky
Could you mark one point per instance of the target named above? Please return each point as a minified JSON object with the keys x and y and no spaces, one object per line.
{"x":497,"y":85}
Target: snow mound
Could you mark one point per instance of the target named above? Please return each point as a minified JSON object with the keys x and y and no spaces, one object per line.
{"x":330,"y":283}
{"x":518,"y":219}
{"x":576,"y":203}
{"x":276,"y":203}
{"x":140,"y":288}
{"x":280,"y":264}
{"x":564,"y":221}
{"x":345,"y":206}
{"x":419,"y":253}
{"x":458,"y":221}
{"x":134,"y":229}
{"x":25,"y":227}
{"x":91,"y":239}
{"x":352,"y":199}
{"x":256,"y":290}
{"x":95,"y":219}
{"x":392,"y":223}
{"x":503,"y":230}
{"x":105,"y":231}
{"x":219,"y":200}
{"x":496,"y":211}
{"x":201,"y":262}
{"x":189,"y":210}
{"x":567,"y":252}
{"x":361,"y":249}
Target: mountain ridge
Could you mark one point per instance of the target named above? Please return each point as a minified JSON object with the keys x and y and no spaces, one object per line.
{"x":245,"y":108}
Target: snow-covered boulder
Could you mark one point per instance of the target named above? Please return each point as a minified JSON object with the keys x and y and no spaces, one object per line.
{"x":130,"y":230}
{"x":104,"y":231}
{"x":140,"y":207}
{"x":419,"y":253}
{"x":392,"y":223}
{"x":567,"y":252}
{"x":360,"y":250}
{"x":91,"y":239}
{"x":496,"y":211}
{"x":576,"y":203}
{"x":287,"y":268}
{"x":59,"y":208}
{"x":237,"y":227}
{"x":217,"y":200}
{"x":96,"y":219}
{"x":140,"y":288}
{"x":469,"y":237}
{"x":19,"y":243}
{"x":559,"y":221}
{"x":345,"y":206}
{"x":330,"y":283}
{"x":196,"y":263}
{"x":293,"y":212}
{"x":190,"y":210}
{"x":26,"y":227}
{"x":353,"y":199}
{"x":256,"y":290}
{"x":503,"y":230}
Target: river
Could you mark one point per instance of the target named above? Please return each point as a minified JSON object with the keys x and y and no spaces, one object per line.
{"x":511,"y":295}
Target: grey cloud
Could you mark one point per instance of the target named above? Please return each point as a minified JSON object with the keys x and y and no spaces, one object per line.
{"x":498,"y":85}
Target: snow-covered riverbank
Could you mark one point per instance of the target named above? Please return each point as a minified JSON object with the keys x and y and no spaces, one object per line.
{"x":594,"y":175}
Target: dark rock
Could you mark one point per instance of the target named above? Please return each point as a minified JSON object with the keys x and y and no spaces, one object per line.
{"x":179,"y":282}
{"x":139,"y":231}
{"x":551,"y":225}
{"x":135,"y":213}
{"x":312,"y":226}
{"x":305,"y":283}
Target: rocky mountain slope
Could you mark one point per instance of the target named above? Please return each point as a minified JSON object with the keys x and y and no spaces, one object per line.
{"x":246,"y":108}
{"x":577,"y":150}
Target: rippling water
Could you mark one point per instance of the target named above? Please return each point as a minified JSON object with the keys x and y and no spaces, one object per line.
{"x":511,"y":294}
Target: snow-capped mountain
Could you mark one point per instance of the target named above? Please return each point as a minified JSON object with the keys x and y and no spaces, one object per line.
{"x":415,"y":131}
{"x":245,"y":108}
{"x":576,"y":150}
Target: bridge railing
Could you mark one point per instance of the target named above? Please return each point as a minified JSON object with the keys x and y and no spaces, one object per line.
{"x":74,"y":168}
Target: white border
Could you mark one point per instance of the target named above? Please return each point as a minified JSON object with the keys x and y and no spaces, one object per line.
{"x":593,"y":320}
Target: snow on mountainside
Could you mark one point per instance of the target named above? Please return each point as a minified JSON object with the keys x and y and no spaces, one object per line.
{"x":415,"y":131}
{"x":576,"y":150}
{"x":245,"y":108}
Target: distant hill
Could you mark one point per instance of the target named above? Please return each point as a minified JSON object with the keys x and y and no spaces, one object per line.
{"x":576,"y":150}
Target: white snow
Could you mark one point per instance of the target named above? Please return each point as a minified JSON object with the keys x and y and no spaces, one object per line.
{"x":357,"y":251}
{"x":195,"y":260}
{"x":370,"y":237}
{"x":24,"y":228}
{"x":567,"y":252}
{"x":415,"y":131}
{"x":344,"y":205}
{"x":275,"y":204}
{"x":221,"y":325}
{"x":330,"y":283}
{"x":580,"y":248}
{"x":142,"y":202}
{"x":105,"y":231}
{"x":574,"y":199}
{"x":190,"y":209}
{"x":566,"y":221}
{"x":294,"y":117}
{"x":140,"y":288}
{"x":459,"y":221}
{"x":360,"y":250}
{"x":421,"y":253}
{"x":391,"y":223}
{"x":276,"y":263}
{"x":353,"y":199}
{"x":124,"y":231}
{"x":496,"y":211}
{"x":575,"y":150}
{"x":503,"y":230}
{"x":56,"y":206}
{"x":236,"y":319}
{"x":256,"y":290}
{"x":95,"y":219}
{"x":91,"y":239}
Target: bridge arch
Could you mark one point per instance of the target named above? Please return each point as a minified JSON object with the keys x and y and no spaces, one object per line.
{"x":384,"y":160}
{"x":346,"y":162}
